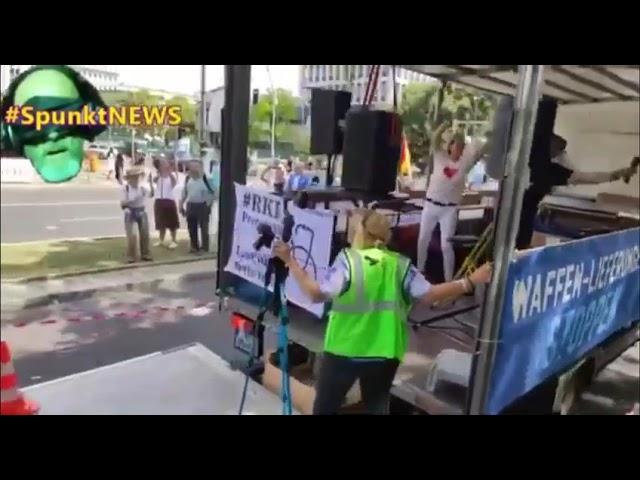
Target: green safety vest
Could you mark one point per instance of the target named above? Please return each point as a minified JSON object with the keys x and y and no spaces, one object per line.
{"x":369,"y":319}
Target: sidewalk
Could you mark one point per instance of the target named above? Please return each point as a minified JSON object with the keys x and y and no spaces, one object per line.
{"x":94,"y":179}
{"x":15,"y":296}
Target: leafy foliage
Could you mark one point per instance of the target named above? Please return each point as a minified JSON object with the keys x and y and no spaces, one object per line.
{"x":418,"y":111}
{"x":144,"y":97}
{"x":286,"y":130}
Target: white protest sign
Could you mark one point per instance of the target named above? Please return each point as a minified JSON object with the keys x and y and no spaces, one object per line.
{"x":253,"y":207}
{"x":311,"y":247}
{"x":310,"y":242}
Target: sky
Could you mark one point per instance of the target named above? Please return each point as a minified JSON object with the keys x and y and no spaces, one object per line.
{"x":186,"y":78}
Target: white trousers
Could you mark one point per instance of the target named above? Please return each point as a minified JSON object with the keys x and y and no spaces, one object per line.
{"x":447,"y":217}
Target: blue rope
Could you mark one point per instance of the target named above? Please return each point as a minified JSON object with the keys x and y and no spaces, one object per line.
{"x":283,"y":348}
{"x":284,"y":354}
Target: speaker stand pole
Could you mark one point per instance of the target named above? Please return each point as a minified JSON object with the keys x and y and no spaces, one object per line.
{"x":329,"y":171}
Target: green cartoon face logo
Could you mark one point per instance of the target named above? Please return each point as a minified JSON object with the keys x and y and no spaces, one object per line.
{"x":56,"y":151}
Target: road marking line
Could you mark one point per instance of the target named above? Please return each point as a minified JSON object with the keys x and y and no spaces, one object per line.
{"x":88,"y":219}
{"x":57,"y":204}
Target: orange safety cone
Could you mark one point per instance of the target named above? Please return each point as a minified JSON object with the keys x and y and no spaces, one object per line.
{"x":12,"y":402}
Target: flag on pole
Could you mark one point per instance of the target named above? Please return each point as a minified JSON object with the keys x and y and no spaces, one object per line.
{"x":405,"y":158}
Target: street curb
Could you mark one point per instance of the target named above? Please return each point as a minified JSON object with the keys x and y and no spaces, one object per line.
{"x":56,"y":276}
{"x":77,"y":295}
{"x":72,"y":239}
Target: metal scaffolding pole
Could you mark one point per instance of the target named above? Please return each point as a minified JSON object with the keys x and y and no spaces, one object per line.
{"x":203,"y":110}
{"x":233,"y":165}
{"x":514,"y":184}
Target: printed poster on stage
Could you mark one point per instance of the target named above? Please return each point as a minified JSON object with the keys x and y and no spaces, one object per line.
{"x":310,"y":242}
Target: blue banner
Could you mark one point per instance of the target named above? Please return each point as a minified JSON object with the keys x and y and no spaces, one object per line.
{"x":561,"y":302}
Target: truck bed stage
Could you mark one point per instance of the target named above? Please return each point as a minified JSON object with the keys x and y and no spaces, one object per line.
{"x":189,"y":380}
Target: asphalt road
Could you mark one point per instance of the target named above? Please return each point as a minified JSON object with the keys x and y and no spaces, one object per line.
{"x":116,"y":325}
{"x":43,"y":212}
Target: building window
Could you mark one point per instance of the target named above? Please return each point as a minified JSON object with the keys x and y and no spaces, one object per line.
{"x":360,"y":71}
{"x":383,"y":91}
{"x":323,"y":72}
{"x":330,"y":68}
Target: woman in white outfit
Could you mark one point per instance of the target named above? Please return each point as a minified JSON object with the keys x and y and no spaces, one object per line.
{"x":452,"y":161}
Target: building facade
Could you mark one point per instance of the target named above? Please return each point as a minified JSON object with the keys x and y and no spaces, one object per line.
{"x":103,"y":77}
{"x":354,"y":78}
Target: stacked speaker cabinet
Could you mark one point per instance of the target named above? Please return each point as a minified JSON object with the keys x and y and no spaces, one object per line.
{"x":371,"y":152}
{"x":328,"y":111}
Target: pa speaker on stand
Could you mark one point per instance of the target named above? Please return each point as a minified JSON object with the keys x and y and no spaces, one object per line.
{"x":372,"y":145}
{"x":328,"y":110}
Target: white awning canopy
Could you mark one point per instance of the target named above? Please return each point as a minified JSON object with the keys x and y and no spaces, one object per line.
{"x":569,"y":84}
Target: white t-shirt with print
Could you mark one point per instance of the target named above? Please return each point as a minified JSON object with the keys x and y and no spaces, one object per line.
{"x":447,"y":181}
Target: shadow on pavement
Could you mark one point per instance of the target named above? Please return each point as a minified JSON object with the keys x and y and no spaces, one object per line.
{"x":124,"y":325}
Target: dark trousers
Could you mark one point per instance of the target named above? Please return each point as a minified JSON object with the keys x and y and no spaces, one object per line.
{"x":338,"y":374}
{"x":530,"y":203}
{"x":198,"y":218}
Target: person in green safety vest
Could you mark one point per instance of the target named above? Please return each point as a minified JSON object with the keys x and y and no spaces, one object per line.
{"x":372,"y":290}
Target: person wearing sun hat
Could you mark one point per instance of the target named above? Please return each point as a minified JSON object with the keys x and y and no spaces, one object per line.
{"x":133,"y":205}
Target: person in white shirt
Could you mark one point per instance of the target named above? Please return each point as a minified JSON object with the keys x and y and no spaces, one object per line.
{"x":278,"y":176}
{"x":132,"y":203}
{"x":165,"y":210}
{"x":452,"y":161}
{"x":298,"y":180}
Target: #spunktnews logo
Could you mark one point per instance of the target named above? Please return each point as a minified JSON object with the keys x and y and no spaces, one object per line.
{"x":130,"y":116}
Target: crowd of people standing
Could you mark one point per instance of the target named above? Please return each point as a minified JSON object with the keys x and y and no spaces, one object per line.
{"x":160,"y":182}
{"x":292,"y":176}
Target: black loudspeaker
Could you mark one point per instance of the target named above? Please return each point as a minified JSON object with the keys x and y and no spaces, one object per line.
{"x":540,"y":147}
{"x":371,"y":153}
{"x":328,"y":110}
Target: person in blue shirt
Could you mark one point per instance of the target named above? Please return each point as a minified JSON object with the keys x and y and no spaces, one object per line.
{"x":477,"y":175}
{"x":298,"y":180}
{"x":198,"y":194}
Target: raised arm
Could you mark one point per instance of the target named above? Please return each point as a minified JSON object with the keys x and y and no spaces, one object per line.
{"x":436,"y":138}
{"x":263,"y":177}
{"x":308,"y":285}
{"x":591,"y":178}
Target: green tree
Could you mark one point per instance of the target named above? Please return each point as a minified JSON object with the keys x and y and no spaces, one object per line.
{"x":188,"y":114}
{"x":261,"y":117}
{"x":142,"y":98}
{"x":418,"y":112}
